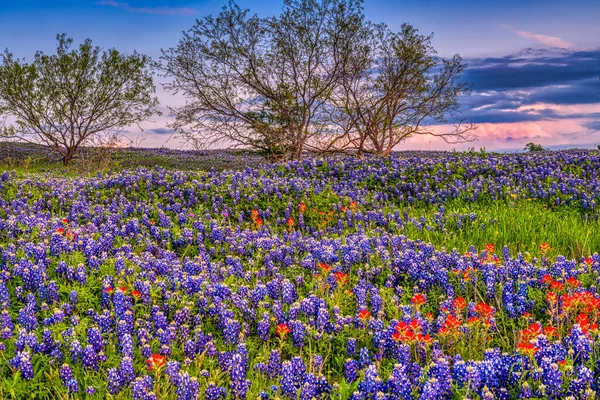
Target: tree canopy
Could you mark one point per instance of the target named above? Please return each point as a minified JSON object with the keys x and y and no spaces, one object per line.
{"x":317,"y":77}
{"x":71,"y":98}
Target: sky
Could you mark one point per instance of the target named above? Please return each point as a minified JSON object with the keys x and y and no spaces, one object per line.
{"x":534,"y":65}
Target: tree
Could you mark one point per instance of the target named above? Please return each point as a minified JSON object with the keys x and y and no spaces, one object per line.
{"x":261,"y":82}
{"x":70,"y":99}
{"x":393,"y":88}
{"x":533,"y":147}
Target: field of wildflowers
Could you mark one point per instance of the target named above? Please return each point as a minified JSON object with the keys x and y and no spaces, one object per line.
{"x":421,"y":275}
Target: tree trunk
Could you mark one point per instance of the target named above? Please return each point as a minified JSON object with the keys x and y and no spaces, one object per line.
{"x":68,"y":157}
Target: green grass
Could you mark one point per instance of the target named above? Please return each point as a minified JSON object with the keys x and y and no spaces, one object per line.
{"x":521,"y":225}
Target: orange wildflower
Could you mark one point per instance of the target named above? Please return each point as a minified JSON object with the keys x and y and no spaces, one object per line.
{"x":545,"y":247}
{"x":341,"y":277}
{"x":364,"y":314}
{"x":282,"y":330}
{"x":156,"y":361}
{"x":459,"y":303}
{"x":418,"y":299}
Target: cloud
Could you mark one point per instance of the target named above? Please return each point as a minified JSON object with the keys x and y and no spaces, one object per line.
{"x":161,"y":131}
{"x":566,"y":133}
{"x":533,"y":68}
{"x":547,"y":40}
{"x":149,"y":10}
{"x":593,"y":126}
{"x":533,"y":85}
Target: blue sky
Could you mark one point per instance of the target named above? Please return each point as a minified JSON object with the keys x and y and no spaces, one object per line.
{"x":534,"y":65}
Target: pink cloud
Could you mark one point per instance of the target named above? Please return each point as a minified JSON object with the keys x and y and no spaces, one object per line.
{"x":541,"y":38}
{"x":545,"y":39}
{"x":514,"y":135}
{"x":560,"y":109}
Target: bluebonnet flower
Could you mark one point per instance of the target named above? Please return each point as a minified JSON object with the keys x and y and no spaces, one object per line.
{"x":351,"y":347}
{"x":187,"y":387}
{"x":214,"y":392}
{"x":287,"y":381}
{"x":22,"y":362}
{"x":127,"y":370}
{"x":114,"y":380}
{"x":66,"y":376}
{"x":351,"y":370}
{"x":143,"y":388}
{"x":89,"y":358}
{"x":274,"y":365}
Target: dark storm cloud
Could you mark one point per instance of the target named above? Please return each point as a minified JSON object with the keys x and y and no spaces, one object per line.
{"x":504,"y":86}
{"x":576,"y":92}
{"x":532,"y":68}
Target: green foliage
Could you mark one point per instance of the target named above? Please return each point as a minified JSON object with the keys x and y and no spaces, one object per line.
{"x":515,"y":221}
{"x":533,"y":147}
{"x":75,"y":97}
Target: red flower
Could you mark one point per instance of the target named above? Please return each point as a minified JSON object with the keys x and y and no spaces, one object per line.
{"x":136,"y":294}
{"x":550,"y":331}
{"x":547,"y":279}
{"x":527,"y":348}
{"x":490,"y":248}
{"x":459,"y":303}
{"x":341,"y":277}
{"x":418,"y":299}
{"x":484,"y":310}
{"x":258,"y":222}
{"x":352,"y":205}
{"x":401,"y":326}
{"x":291,"y":222}
{"x":533,"y":331}
{"x":108,"y":290}
{"x":156,"y":361}
{"x":123,"y":289}
{"x":584,"y":322}
{"x":302,"y":207}
{"x":545,"y":247}
{"x":425,"y":338}
{"x":588,"y":261}
{"x":364,"y":314}
{"x":556,"y":285}
{"x":573,"y":282}
{"x":324,"y":266}
{"x":415,"y":325}
{"x":60,"y":230}
{"x":282,"y":330}
{"x":254,"y":214}
{"x":552,"y":297}
{"x":451,"y":322}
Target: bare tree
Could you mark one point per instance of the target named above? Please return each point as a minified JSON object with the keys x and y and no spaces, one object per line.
{"x":261,"y":82}
{"x":393,"y":87}
{"x":70,"y":99}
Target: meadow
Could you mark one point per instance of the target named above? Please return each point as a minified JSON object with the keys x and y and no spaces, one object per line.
{"x":217,"y":275}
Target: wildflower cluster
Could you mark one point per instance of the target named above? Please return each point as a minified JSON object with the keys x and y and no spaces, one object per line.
{"x":296,"y":280}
